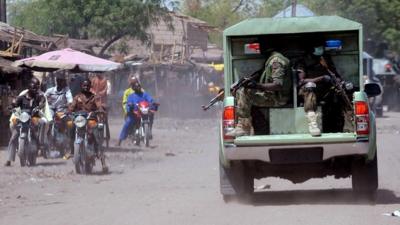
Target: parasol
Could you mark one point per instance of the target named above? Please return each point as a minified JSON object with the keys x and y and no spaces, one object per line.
{"x":67,"y":59}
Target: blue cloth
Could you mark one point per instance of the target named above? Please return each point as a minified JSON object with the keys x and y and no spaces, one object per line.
{"x":135,"y":98}
{"x":131,"y":104}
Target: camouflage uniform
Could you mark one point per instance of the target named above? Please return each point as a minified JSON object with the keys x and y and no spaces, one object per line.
{"x":276,"y":71}
{"x":335,"y":117}
{"x":313,"y":71}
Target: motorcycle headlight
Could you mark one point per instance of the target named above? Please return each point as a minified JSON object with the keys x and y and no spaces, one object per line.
{"x":80,"y":121}
{"x":144,"y":110}
{"x":24,"y":117}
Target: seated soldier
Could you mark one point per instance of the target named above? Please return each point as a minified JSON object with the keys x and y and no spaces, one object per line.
{"x":316,"y":76}
{"x":267,"y":91}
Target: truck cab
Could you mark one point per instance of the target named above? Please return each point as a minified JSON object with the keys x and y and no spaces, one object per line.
{"x":282,"y":146}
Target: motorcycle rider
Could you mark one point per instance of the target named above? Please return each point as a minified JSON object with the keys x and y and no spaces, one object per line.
{"x":58,"y":97}
{"x":89,"y":102}
{"x":127,"y":92}
{"x":34,"y":100}
{"x":131,"y":107}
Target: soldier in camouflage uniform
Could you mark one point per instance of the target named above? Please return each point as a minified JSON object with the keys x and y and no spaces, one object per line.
{"x":271,"y":90}
{"x":314,"y":83}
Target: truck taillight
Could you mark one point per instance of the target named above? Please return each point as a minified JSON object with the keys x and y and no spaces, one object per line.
{"x":228,"y":121}
{"x":362,"y":118}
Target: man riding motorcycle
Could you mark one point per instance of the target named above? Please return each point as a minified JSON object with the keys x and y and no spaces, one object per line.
{"x":130,"y":90}
{"x":137,"y":96}
{"x":58,"y":97}
{"x":31,"y":99}
{"x":88,"y":102}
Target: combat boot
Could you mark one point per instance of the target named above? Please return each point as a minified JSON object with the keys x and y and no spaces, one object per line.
{"x":243,"y":128}
{"x":312,"y":124}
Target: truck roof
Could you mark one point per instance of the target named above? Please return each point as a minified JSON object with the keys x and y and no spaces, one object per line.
{"x":287,"y":25}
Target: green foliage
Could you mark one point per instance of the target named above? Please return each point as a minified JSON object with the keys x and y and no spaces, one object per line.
{"x":380,"y":18}
{"x":108,"y":20}
{"x":220,"y":14}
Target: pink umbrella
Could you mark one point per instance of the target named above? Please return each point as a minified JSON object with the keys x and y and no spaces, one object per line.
{"x":67,"y":59}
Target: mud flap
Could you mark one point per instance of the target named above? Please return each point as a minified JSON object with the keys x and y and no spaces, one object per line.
{"x":236,"y":180}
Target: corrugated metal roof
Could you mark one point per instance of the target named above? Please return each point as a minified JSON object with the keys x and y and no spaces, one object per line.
{"x":257,"y":26}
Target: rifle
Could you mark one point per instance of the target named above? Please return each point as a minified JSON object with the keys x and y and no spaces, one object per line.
{"x":216,"y":99}
{"x":234,"y":87}
{"x":242,"y":82}
{"x":337,"y":85}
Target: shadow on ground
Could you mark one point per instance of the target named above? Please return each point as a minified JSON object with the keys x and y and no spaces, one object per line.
{"x":132,"y":149}
{"x":51,"y":163}
{"x":325,"y":197}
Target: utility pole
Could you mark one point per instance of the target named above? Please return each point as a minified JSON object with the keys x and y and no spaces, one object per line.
{"x":3,"y":11}
{"x":294,"y":6}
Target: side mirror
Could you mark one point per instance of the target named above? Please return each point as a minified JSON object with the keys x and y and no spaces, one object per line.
{"x":372,"y":89}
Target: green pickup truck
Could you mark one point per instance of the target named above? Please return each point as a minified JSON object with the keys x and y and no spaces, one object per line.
{"x":283,"y":147}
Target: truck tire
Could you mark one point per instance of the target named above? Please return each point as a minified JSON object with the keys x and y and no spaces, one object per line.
{"x":236,"y":182}
{"x":365,"y":177}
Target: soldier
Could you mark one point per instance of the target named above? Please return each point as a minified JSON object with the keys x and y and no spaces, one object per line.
{"x":315,"y":84}
{"x":271,"y":90}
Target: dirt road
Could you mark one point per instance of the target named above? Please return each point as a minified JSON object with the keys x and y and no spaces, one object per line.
{"x":176,"y":182}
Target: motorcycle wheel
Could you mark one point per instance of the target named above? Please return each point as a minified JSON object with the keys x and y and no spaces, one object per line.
{"x":32,"y":159}
{"x":146,"y":131}
{"x":78,"y":162}
{"x":88,"y":166}
{"x":137,"y":137}
{"x":44,"y":153}
{"x":21,"y":152}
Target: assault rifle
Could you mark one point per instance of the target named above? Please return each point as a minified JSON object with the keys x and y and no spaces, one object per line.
{"x":242,"y":82}
{"x":216,"y":99}
{"x":337,"y":86}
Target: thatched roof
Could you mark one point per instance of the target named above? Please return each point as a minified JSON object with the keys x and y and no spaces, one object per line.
{"x":5,"y":67}
{"x":30,"y":39}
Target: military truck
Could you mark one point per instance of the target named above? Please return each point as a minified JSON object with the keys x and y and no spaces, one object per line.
{"x":283,"y":146}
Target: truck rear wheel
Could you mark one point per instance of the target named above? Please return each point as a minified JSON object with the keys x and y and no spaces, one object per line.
{"x":236,"y":182}
{"x":365,"y":177}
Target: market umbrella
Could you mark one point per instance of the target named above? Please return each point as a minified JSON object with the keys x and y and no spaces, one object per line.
{"x":67,"y":59}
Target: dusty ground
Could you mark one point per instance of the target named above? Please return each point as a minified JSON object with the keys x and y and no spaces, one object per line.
{"x":176,"y":182}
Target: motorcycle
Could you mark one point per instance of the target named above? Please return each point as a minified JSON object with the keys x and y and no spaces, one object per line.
{"x":86,"y":127}
{"x":28,"y":126}
{"x":142,"y":128}
{"x":58,"y":133}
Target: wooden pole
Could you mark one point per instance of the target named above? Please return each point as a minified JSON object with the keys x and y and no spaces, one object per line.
{"x":3,"y":11}
{"x":173,"y":52}
{"x":294,"y":6}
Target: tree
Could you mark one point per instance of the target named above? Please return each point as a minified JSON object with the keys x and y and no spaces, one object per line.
{"x":379,"y":17}
{"x":108,"y":20}
{"x":220,"y":14}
